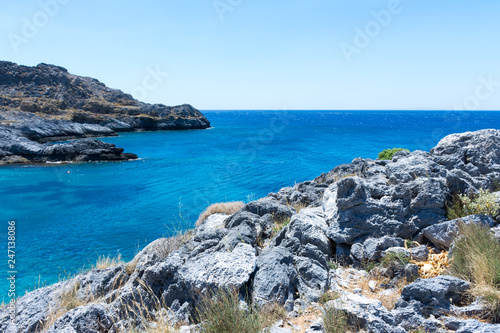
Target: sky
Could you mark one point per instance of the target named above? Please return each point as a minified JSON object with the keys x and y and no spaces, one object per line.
{"x":262,"y":54}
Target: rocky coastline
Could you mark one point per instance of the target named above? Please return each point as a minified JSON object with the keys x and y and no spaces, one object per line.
{"x":298,"y":244}
{"x":45,"y":103}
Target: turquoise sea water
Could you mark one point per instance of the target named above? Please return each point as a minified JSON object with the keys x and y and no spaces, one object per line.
{"x":68,"y":215}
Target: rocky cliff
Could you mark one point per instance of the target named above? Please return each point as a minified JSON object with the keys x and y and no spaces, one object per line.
{"x":46,"y":103}
{"x":281,"y":248}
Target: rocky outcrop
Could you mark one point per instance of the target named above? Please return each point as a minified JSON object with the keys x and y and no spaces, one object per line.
{"x":46,"y":103}
{"x":287,"y":247}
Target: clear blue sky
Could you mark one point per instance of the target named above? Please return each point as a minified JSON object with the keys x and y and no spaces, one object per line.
{"x":262,"y":54}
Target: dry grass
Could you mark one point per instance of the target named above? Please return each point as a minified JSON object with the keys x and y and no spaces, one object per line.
{"x":476,"y":258}
{"x":271,"y":313}
{"x":220,"y":312}
{"x":104,"y":262}
{"x":227,"y":208}
{"x":335,"y":321}
{"x":165,"y":246}
{"x":68,"y":300}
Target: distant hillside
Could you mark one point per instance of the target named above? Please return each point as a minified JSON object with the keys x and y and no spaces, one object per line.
{"x":51,"y":92}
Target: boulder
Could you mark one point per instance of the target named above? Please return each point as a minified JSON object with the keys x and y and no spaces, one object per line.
{"x":442,"y":234}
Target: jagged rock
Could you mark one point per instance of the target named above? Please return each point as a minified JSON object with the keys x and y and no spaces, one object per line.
{"x":268,"y":205}
{"x":32,"y":310}
{"x":366,"y":313}
{"x":373,"y":248}
{"x":470,"y":326}
{"x":274,"y":279}
{"x":442,"y":234}
{"x":436,"y":295}
{"x":98,"y":283}
{"x":419,"y":253}
{"x":92,"y":318}
{"x":220,"y":269}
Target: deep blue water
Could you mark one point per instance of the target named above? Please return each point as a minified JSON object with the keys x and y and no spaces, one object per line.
{"x":68,"y":215}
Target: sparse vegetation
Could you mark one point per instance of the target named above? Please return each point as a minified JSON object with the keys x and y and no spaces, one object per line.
{"x":164,"y":246}
{"x":228,"y":208}
{"x":220,"y":312}
{"x":104,"y":262}
{"x":335,"y":321}
{"x":279,"y":223}
{"x":476,"y":258}
{"x":394,"y":258}
{"x":389,"y":153}
{"x":68,"y":300}
{"x":327,"y":297}
{"x":463,"y":205}
{"x":332,"y":265}
{"x":271,"y":313}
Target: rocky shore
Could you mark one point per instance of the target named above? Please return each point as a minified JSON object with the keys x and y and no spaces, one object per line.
{"x":295,"y":246}
{"x":46,"y":103}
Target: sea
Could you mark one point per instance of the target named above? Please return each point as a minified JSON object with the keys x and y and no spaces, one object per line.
{"x":66,"y":216}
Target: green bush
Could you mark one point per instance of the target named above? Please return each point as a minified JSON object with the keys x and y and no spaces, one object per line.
{"x":476,"y":258}
{"x":394,"y":258}
{"x":388,"y":153}
{"x":482,"y":203}
{"x":220,"y":312}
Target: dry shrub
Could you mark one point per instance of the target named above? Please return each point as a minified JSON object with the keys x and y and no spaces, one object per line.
{"x":227,"y":208}
{"x":220,"y":312}
{"x":165,"y":246}
{"x":335,"y":321}
{"x":104,"y":262}
{"x":476,"y":258}
{"x":68,"y":300}
{"x":271,"y":313}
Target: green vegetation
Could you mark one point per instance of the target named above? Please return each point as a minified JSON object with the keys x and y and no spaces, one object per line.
{"x":228,"y":208}
{"x":394,"y":258}
{"x":482,"y":203}
{"x":389,"y":153}
{"x":335,"y":321}
{"x":476,"y":258}
{"x":332,"y":265}
{"x":279,"y":223}
{"x":327,"y":297}
{"x":220,"y":312}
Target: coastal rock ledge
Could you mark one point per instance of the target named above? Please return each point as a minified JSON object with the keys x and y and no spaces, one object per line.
{"x":354,"y":214}
{"x":46,"y":103}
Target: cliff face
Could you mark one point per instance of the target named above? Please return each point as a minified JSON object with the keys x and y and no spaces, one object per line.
{"x":46,"y":103}
{"x":280,"y":249}
{"x":54,"y":93}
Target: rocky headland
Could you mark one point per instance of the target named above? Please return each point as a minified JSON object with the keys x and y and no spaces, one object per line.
{"x":46,"y":103}
{"x":297,"y":245}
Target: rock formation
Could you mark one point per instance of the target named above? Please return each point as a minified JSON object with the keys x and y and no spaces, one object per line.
{"x":355,"y":213}
{"x":46,"y":103}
